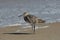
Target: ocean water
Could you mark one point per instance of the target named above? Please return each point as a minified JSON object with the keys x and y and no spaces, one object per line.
{"x":48,"y":10}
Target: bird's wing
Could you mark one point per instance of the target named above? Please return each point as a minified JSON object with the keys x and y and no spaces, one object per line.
{"x":30,"y":19}
{"x":33,"y":16}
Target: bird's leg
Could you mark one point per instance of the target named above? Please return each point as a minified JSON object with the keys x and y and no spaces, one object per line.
{"x":33,"y":28}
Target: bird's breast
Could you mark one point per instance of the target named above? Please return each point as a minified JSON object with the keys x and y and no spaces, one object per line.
{"x":26,"y":19}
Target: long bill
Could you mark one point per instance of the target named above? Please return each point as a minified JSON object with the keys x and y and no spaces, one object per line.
{"x":20,"y":15}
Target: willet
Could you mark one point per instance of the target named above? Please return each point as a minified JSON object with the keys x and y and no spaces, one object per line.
{"x":31,"y":19}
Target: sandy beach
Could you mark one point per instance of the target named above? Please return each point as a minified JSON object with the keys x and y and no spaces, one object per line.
{"x":48,"y":10}
{"x":50,"y":33}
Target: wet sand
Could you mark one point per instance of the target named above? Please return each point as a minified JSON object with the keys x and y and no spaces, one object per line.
{"x":50,"y":33}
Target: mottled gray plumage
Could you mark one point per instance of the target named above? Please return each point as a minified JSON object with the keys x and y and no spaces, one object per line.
{"x":31,"y":19}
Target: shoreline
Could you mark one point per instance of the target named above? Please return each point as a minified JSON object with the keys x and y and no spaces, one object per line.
{"x":50,"y":33}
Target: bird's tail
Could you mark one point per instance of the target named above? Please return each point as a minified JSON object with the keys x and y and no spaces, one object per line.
{"x":40,"y":21}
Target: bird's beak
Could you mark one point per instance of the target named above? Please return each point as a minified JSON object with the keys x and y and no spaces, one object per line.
{"x":20,"y":15}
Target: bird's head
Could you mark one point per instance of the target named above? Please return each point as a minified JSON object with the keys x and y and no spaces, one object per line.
{"x":24,"y":14}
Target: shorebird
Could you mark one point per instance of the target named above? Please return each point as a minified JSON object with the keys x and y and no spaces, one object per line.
{"x":31,"y":19}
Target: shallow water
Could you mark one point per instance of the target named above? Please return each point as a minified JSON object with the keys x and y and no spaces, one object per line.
{"x":45,"y":9}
